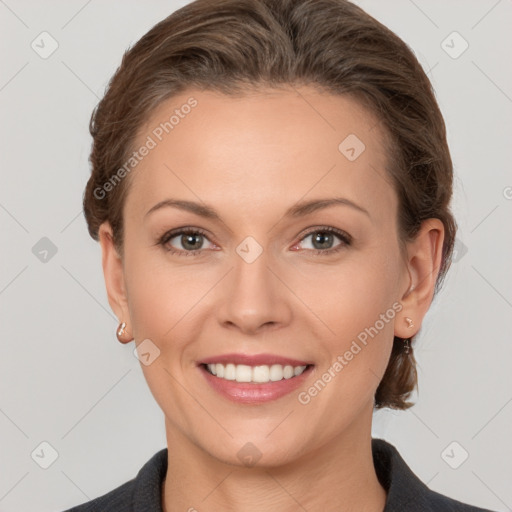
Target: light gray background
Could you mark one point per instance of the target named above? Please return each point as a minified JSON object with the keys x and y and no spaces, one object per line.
{"x":64,"y":378}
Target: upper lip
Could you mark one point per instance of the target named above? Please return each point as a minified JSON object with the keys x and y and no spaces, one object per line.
{"x":254,"y":360}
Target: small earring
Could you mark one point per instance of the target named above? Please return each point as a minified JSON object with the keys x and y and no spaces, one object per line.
{"x":409,"y":322}
{"x":121,"y":333}
{"x":407,"y":346}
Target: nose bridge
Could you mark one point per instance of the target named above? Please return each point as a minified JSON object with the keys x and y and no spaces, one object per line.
{"x":251,"y":269}
{"x":254,"y":296}
{"x":252,"y":280}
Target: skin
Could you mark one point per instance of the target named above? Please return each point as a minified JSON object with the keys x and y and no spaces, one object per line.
{"x":251,"y":158}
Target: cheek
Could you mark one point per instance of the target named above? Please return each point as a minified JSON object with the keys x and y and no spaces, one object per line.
{"x":161,"y":304}
{"x":160,"y":295}
{"x":360,"y":306}
{"x":353,"y":294}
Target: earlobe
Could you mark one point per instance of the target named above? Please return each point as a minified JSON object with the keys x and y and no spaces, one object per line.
{"x":424,"y":256}
{"x":113,"y":273}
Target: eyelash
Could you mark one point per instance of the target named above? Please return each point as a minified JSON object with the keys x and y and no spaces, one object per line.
{"x":345,"y":238}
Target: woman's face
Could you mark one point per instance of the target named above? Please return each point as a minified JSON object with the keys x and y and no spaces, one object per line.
{"x":257,"y":278}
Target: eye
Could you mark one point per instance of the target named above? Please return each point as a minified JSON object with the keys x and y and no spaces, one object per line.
{"x":190,"y":239}
{"x":323,"y":238}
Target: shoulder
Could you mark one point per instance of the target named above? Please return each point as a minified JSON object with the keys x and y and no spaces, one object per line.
{"x":142,"y":493}
{"x":405,"y":490}
{"x":119,"y":500}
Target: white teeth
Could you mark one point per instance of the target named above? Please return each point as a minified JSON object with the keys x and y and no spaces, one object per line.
{"x":258,"y":374}
{"x":230,"y":372}
{"x":243,"y":373}
{"x":288,"y":372}
{"x":276,"y":372}
{"x":297,"y":370}
{"x":261,"y":374}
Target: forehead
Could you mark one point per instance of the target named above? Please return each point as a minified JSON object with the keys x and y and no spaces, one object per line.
{"x":260,"y":149}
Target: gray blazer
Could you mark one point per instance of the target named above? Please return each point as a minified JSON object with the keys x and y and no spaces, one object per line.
{"x":405,"y":492}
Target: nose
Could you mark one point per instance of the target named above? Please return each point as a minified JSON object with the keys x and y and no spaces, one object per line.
{"x":254,"y":298}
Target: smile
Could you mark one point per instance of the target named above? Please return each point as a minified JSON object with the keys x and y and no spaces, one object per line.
{"x":256,"y":374}
{"x":253,"y":385}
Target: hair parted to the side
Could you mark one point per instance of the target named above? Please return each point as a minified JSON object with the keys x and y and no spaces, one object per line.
{"x":236,"y":46}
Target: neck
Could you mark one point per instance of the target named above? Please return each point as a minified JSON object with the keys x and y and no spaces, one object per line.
{"x":338,"y":476}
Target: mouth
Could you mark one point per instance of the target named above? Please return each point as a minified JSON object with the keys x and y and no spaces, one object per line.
{"x":261,"y":374}
{"x":238,"y":381}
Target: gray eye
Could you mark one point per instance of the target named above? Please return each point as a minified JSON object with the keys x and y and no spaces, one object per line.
{"x":321,"y":239}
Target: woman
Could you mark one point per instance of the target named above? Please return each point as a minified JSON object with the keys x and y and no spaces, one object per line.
{"x":270,"y":189}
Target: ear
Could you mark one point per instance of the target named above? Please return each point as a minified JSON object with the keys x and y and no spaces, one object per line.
{"x":424,"y":256}
{"x":113,"y":273}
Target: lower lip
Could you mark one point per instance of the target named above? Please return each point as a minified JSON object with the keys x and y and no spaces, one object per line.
{"x":253,"y":393}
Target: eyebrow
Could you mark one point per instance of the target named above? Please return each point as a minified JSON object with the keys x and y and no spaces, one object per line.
{"x":297,"y":210}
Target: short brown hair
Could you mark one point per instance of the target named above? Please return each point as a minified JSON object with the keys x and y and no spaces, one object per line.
{"x":233,"y":46}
